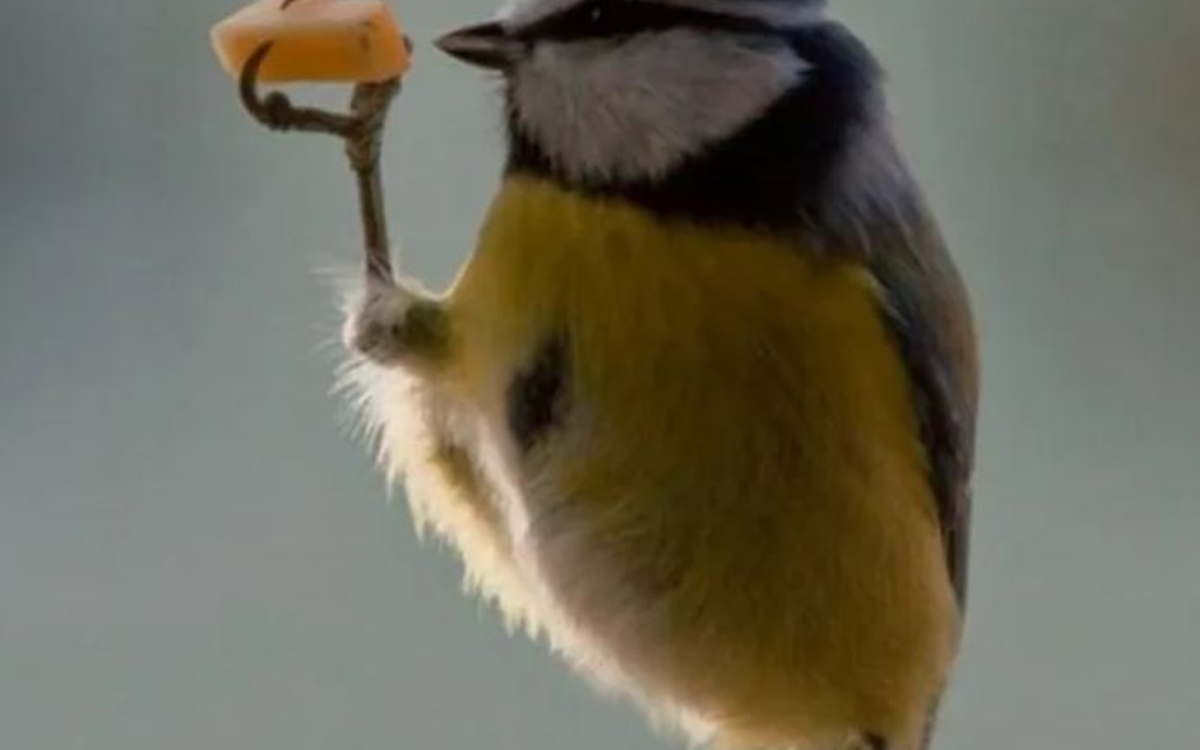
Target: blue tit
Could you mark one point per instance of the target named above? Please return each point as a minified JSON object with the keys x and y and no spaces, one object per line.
{"x":699,"y":409}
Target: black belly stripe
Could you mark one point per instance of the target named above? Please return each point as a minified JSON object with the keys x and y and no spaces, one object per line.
{"x":536,"y":395}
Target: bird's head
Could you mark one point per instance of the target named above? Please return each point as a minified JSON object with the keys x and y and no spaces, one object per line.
{"x":627,"y":90}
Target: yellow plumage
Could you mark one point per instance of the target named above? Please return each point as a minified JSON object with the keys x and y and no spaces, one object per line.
{"x":735,"y":516}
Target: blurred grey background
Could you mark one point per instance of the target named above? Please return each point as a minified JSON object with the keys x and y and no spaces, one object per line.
{"x":194,"y":553}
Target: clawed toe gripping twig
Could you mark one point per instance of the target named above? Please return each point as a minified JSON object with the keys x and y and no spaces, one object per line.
{"x":362,"y":131}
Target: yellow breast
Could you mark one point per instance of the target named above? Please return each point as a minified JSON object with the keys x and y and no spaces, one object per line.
{"x":717,"y":327}
{"x":752,"y":442}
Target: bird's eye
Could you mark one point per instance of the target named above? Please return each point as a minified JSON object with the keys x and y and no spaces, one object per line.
{"x":596,"y":13}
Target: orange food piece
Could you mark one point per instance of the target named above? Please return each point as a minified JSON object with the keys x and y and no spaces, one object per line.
{"x":317,"y":41}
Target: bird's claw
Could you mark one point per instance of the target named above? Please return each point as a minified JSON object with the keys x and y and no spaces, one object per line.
{"x":362,"y":131}
{"x":277,"y":112}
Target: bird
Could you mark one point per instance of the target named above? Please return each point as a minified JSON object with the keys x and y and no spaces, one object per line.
{"x":699,"y":408}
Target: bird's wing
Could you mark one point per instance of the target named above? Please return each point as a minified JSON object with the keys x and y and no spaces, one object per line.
{"x":928,"y":310}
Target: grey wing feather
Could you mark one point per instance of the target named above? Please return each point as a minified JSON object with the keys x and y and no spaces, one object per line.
{"x":928,"y":310}
{"x":873,"y":211}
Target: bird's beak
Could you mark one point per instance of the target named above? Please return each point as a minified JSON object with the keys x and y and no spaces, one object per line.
{"x":487,"y":45}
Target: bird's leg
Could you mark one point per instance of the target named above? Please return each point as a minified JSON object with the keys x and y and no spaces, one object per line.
{"x":392,"y":322}
{"x":363,"y":145}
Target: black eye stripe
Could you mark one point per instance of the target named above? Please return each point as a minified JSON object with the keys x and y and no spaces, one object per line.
{"x":598,"y":19}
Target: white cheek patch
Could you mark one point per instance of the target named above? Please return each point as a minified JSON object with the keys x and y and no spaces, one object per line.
{"x":635,"y":109}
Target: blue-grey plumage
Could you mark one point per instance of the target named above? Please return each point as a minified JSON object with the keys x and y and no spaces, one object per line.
{"x":700,"y":406}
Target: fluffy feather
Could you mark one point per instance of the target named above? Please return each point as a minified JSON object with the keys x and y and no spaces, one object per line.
{"x":721,"y":600}
{"x":735,"y":490}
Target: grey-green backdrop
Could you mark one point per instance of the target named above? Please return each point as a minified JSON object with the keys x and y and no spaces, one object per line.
{"x":195,"y":555}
